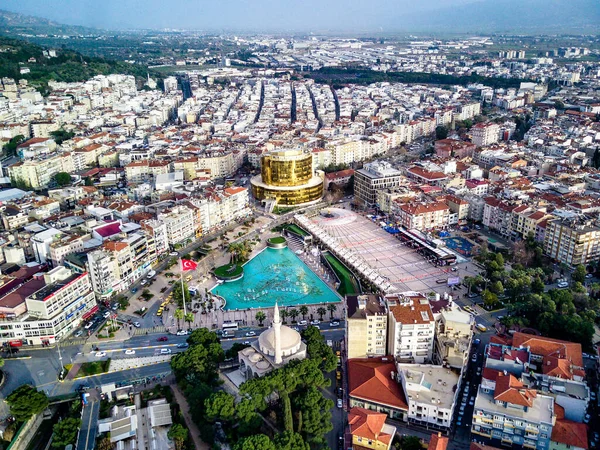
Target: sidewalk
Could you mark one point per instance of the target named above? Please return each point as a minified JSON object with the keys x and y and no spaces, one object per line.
{"x":185,"y":410}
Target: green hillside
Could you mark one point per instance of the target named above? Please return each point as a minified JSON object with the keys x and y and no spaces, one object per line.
{"x":69,"y":66}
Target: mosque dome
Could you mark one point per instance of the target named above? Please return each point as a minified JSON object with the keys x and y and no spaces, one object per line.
{"x":290,"y":341}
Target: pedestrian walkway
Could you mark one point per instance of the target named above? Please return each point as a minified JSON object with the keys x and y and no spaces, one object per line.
{"x":185,"y":410}
{"x":143,"y":331}
{"x":134,"y":363}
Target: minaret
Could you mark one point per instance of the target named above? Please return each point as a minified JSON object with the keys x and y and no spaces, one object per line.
{"x":277,"y":330}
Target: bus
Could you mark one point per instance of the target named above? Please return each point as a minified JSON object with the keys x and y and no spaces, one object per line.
{"x":230,"y":326}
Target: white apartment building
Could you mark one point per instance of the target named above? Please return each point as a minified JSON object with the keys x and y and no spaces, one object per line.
{"x":453,"y":334}
{"x":60,"y":301}
{"x":64,"y":246}
{"x":411,"y":327}
{"x":483,"y":134}
{"x":157,"y":232}
{"x":431,"y":394}
{"x":180,"y":224}
{"x":423,"y":216}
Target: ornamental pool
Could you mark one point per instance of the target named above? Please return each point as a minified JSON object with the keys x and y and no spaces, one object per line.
{"x":275,"y":275}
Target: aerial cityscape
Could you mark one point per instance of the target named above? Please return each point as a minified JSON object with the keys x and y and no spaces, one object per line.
{"x":300,"y":226}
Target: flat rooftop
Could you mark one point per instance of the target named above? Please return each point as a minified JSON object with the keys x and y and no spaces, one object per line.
{"x":52,"y":288}
{"x":431,"y":383}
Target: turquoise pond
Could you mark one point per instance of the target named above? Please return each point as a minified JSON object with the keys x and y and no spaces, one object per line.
{"x":275,"y":276}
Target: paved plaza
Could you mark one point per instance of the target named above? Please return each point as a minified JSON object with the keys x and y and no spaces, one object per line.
{"x":400,"y":264}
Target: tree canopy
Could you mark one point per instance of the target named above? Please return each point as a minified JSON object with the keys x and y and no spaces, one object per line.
{"x":26,"y":401}
{"x":65,"y":432}
{"x":62,"y":178}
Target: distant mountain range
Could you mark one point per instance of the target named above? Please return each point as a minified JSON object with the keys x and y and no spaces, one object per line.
{"x":15,"y":24}
{"x":516,"y":16}
{"x":479,"y":16}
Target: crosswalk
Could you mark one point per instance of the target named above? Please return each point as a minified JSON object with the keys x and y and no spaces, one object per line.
{"x":143,"y":331}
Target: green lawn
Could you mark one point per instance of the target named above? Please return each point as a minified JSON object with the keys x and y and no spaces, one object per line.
{"x":296,"y":229}
{"x":349,"y":284}
{"x":93,"y":368}
{"x":277,"y":240}
{"x":228,"y":271}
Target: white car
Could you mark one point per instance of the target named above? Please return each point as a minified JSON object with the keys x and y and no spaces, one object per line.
{"x":100,"y":354}
{"x":173,"y":254}
{"x":250,"y":334}
{"x":302,"y":322}
{"x":137,"y":324}
{"x":340,"y":403}
{"x":182,"y":333}
{"x":165,"y":351}
{"x":130,"y":351}
{"x":89,"y":325}
{"x":563,"y":284}
{"x":106,"y":315}
{"x":151,"y":274}
{"x":315,"y":322}
{"x":144,"y":282}
{"x":334,"y":323}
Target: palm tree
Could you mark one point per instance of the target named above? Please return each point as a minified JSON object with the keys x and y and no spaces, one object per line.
{"x":283,"y":315}
{"x":260,"y":317}
{"x":331,"y":308}
{"x":179,"y":315}
{"x":234,"y":248}
{"x":304,"y":311}
{"x":293,"y":314}
{"x":189,"y":318}
{"x":321,"y":312}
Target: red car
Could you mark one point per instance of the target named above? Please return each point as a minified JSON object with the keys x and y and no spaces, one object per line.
{"x":163,"y":339}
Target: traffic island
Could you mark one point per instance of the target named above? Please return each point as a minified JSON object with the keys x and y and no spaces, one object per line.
{"x":277,"y":242}
{"x":229,"y":272}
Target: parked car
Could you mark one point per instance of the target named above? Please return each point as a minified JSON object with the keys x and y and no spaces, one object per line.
{"x":340,"y":403}
{"x":144,"y":282}
{"x":106,"y":315}
{"x":315,"y":322}
{"x":182,"y":333}
{"x":115,"y":307}
{"x":89,"y":325}
{"x":173,"y":254}
{"x":163,"y":339}
{"x":78,"y":333}
{"x":563,"y":284}
{"x":476,"y":341}
{"x":334,"y":323}
{"x":134,"y":290}
{"x":100,"y":354}
{"x":302,"y":322}
{"x":83,"y":388}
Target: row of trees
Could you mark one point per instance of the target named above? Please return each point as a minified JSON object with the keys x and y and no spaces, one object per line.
{"x":293,"y":313}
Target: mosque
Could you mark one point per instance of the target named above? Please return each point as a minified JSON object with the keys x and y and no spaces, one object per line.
{"x":274,"y":348}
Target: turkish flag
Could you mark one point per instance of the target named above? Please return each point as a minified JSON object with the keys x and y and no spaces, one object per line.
{"x":188,"y":264}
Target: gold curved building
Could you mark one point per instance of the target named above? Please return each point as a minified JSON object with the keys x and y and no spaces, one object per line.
{"x":287,"y":176}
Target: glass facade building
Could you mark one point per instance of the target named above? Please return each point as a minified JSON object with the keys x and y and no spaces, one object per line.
{"x":287,"y":176}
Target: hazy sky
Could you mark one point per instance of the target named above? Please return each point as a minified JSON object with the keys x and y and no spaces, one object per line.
{"x":281,"y":15}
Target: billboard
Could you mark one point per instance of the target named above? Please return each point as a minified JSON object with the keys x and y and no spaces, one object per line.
{"x":453,"y":281}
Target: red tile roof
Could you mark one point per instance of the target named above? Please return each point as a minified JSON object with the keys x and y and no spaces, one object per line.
{"x":370,"y":379}
{"x":547,"y":347}
{"x":368,"y":425}
{"x":570,"y":433}
{"x":511,"y":390}
{"x":438,"y":442}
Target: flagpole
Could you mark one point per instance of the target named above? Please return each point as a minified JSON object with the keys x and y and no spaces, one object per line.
{"x":182,"y":288}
